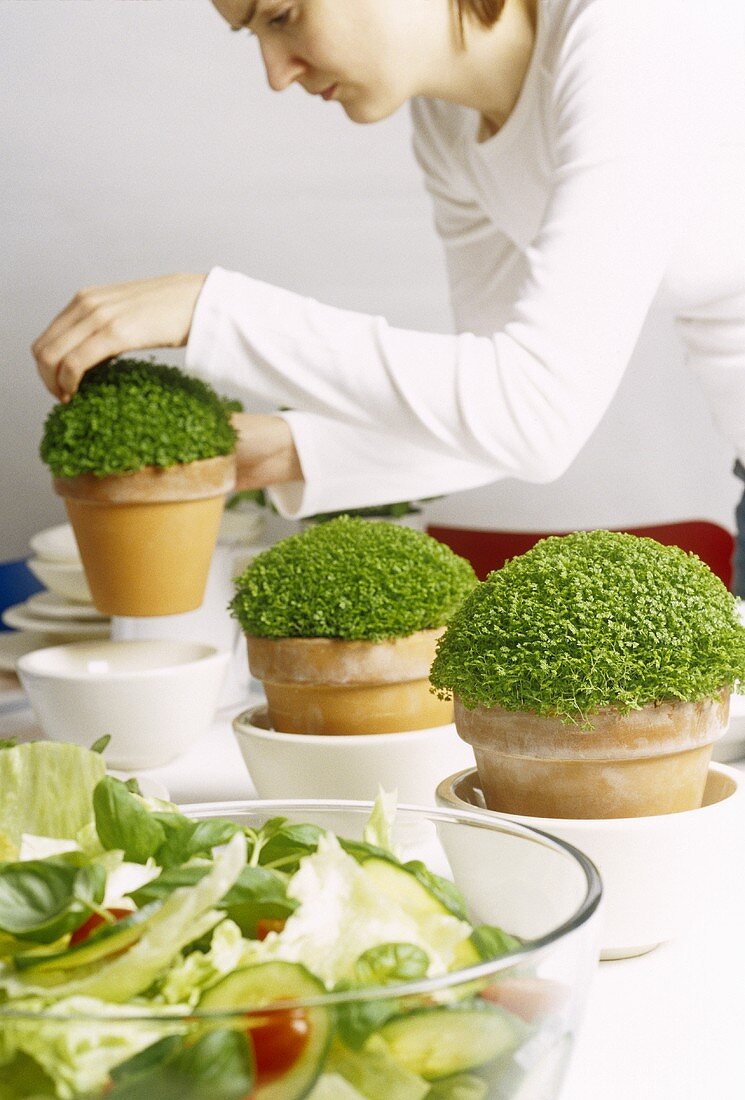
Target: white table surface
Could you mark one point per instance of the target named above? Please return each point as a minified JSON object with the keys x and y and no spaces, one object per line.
{"x":669,"y":1025}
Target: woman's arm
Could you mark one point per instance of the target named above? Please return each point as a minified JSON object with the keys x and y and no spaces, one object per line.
{"x":522,"y":401}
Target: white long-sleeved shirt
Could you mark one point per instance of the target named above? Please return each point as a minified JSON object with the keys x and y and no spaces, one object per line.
{"x":620,"y":174}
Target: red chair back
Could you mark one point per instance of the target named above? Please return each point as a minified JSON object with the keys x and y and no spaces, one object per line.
{"x":488,"y":550}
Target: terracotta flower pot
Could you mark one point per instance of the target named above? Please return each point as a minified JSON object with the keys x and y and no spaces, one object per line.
{"x":146,"y":539}
{"x":649,"y":761}
{"x":330,"y":686}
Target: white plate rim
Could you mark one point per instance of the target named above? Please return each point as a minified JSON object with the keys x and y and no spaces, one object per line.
{"x":14,"y":617}
{"x":55,"y":606}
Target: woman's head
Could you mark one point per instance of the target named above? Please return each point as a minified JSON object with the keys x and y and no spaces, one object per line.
{"x":369,"y":55}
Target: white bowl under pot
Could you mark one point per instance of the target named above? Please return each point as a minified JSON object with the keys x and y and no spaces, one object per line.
{"x":304,"y":765}
{"x":154,"y":698}
{"x":65,"y":578}
{"x":661,"y":875}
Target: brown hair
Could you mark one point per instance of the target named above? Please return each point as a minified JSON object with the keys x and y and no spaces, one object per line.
{"x":486,"y":12}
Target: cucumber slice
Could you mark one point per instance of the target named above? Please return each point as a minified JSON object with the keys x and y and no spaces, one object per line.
{"x":438,"y":1042}
{"x":403,"y":887}
{"x":265,"y":984}
{"x":331,"y":1086}
{"x":375,"y":1074}
{"x":108,"y":940}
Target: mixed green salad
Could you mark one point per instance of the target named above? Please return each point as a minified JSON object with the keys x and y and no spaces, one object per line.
{"x":144,"y":953}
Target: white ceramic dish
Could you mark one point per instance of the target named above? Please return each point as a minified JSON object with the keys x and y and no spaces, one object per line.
{"x":65,"y":578}
{"x":56,"y":544}
{"x":48,"y":605}
{"x":660,"y":874}
{"x":154,"y":698}
{"x":732,"y":745}
{"x":293,"y":765}
{"x":20,"y":618}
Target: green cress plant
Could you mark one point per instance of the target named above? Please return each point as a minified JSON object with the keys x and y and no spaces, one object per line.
{"x":132,"y":413}
{"x":352,"y":579}
{"x":593,"y":620}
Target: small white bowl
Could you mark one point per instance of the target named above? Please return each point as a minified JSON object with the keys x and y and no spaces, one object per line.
{"x":304,"y":765}
{"x":63,"y":577}
{"x":154,"y":698}
{"x":660,"y":874}
{"x":56,"y":544}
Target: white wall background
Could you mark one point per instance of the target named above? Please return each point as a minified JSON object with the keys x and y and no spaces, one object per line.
{"x":139,"y":137}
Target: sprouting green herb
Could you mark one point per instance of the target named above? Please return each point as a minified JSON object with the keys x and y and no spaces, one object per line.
{"x":352,"y":579}
{"x":591,"y":620}
{"x":393,"y":511}
{"x":101,"y":743}
{"x":131,"y":413}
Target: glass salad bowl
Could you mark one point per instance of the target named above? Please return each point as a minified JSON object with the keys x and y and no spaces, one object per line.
{"x":313,"y":965}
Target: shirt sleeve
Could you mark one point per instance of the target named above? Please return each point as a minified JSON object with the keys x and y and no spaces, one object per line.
{"x":522,"y":401}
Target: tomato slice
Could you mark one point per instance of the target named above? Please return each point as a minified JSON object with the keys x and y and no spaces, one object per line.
{"x":278,"y":1041}
{"x":528,"y":998}
{"x":265,"y":925}
{"x":95,"y":920}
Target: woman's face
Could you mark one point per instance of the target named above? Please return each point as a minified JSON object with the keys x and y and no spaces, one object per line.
{"x":369,"y":55}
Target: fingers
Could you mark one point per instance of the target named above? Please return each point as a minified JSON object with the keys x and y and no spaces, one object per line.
{"x":83,"y":334}
{"x":101,"y":322}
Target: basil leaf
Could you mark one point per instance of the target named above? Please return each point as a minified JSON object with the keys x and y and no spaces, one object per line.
{"x":287,"y":846}
{"x":89,"y":886}
{"x":124,"y":823}
{"x":357,"y":1020}
{"x":24,"y":1079}
{"x":257,"y":893}
{"x":101,"y":743}
{"x":42,"y":900}
{"x":186,"y":839}
{"x":491,"y":942}
{"x":361,"y":851}
{"x":389,"y":963}
{"x":219,"y":1066}
{"x":444,"y":890}
{"x":147,"y":1060}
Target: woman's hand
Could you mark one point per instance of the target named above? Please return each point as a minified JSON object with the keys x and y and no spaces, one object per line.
{"x":103,"y":321}
{"x":265,"y":451}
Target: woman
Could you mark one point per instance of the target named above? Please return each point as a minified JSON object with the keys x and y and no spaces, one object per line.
{"x":583,"y":157}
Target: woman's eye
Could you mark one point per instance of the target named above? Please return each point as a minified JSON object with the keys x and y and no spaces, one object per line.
{"x":280,"y":19}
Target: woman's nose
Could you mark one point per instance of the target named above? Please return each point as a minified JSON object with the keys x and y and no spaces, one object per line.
{"x":282,"y":67}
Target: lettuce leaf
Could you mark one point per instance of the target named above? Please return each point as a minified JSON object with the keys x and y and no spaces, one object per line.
{"x":46,"y":766}
{"x":184,"y":917}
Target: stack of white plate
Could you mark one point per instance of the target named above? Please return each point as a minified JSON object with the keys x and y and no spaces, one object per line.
{"x":62,"y":613}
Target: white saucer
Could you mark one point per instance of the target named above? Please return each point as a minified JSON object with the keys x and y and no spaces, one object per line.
{"x":56,"y":544}
{"x":20,"y":619}
{"x":48,"y":605}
